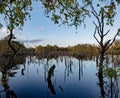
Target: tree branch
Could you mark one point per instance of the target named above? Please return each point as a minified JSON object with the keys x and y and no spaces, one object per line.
{"x":97,"y":28}
{"x":112,"y":41}
{"x":106,"y":33}
{"x":102,"y":22}
{"x":95,"y":36}
{"x":97,"y":17}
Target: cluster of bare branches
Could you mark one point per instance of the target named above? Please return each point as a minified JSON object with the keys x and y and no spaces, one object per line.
{"x":100,"y":34}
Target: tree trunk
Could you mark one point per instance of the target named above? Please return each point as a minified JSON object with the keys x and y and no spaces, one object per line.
{"x":101,"y":84}
{"x":10,"y":40}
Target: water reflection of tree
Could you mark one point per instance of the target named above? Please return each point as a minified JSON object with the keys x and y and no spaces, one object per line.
{"x":50,"y":74}
{"x":80,"y":69}
{"x":69,"y":64}
{"x":108,"y":88}
{"x":68,"y":67}
{"x":7,"y":67}
{"x":109,"y":78}
{"x":68,"y":60}
{"x":4,"y":81}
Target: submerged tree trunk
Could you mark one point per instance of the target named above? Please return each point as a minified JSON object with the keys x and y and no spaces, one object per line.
{"x":101,"y":84}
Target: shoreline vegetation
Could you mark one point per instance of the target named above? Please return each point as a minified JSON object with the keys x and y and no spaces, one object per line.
{"x":77,"y":50}
{"x":49,"y":50}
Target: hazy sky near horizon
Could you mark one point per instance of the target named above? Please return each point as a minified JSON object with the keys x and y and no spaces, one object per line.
{"x":42,"y":31}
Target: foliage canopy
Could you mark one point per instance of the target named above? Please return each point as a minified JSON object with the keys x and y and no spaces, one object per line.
{"x":70,"y":12}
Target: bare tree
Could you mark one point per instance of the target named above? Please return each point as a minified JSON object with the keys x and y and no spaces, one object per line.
{"x":100,"y":34}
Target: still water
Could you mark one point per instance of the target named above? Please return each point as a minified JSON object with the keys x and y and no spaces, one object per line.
{"x":61,"y":77}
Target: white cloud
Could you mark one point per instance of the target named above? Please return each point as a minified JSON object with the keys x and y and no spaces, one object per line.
{"x":4,"y":32}
{"x":42,"y":28}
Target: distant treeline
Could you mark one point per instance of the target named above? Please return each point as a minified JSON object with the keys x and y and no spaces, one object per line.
{"x":80,"y":48}
{"x":84,"y":48}
{"x":77,"y":49}
{"x":4,"y":47}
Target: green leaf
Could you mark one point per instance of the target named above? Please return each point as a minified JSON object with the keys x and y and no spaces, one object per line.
{"x":110,"y":72}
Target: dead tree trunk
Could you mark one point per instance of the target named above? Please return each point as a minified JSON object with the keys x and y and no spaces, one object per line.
{"x":100,"y":34}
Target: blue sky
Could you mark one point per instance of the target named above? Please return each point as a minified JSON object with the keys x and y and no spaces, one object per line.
{"x":40,"y":27}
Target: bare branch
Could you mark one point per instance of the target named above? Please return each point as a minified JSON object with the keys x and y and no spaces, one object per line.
{"x":95,"y":36}
{"x":112,"y":41}
{"x":97,"y":28}
{"x":97,"y":17}
{"x":106,"y":33}
{"x":102,"y":22}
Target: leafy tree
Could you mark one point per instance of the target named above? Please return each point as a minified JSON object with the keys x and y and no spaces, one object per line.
{"x":39,"y":49}
{"x":65,"y":11}
{"x":115,"y":48}
{"x":14,"y":13}
{"x":74,"y":12}
{"x":4,"y":46}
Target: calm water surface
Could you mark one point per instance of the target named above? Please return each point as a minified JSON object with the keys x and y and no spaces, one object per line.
{"x":63,"y":77}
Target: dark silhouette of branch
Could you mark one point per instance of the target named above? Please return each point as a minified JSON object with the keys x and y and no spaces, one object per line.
{"x":95,"y":36}
{"x":106,"y":33}
{"x":97,"y":28}
{"x":112,"y":40}
{"x":97,"y":17}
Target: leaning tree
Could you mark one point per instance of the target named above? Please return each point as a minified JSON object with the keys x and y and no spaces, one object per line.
{"x":14,"y":13}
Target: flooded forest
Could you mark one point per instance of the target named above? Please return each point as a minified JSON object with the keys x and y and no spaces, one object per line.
{"x":63,"y":65}
{"x":54,"y":72}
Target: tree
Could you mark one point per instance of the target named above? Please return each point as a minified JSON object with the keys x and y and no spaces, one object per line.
{"x":100,"y":32}
{"x":115,"y":48}
{"x":14,"y":13}
{"x":70,"y":12}
{"x":73,"y":12}
{"x":66,"y":11}
{"x":4,"y":47}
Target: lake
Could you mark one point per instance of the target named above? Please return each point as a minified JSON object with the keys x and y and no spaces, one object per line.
{"x":60,"y":77}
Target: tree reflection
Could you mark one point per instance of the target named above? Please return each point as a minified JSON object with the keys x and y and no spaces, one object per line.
{"x":68,"y":67}
{"x":108,"y":79}
{"x":80,"y":69}
{"x":23,"y":69}
{"x":101,"y":84}
{"x":50,"y":85}
{"x":108,"y":88}
{"x":4,"y":81}
{"x":7,"y":67}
